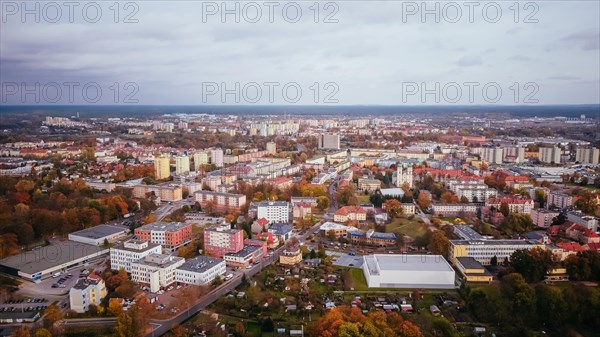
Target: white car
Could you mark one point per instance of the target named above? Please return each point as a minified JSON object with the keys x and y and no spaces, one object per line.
{"x":248,"y":267}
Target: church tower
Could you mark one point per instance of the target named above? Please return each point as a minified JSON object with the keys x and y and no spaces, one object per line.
{"x":404,"y":175}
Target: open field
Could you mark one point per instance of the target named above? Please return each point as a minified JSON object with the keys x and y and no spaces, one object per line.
{"x":413,"y":228}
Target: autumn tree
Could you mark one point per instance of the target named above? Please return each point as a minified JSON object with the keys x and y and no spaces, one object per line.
{"x":41,"y":332}
{"x":20,"y":331}
{"x":439,"y":244}
{"x":393,"y":208}
{"x":124,"y":326}
{"x":345,"y":196}
{"x":322,"y":202}
{"x":424,"y":199}
{"x":52,"y":314}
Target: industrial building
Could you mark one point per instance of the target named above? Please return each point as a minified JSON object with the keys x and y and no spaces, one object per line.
{"x":44,"y":261}
{"x":408,"y":271}
{"x":97,"y":235}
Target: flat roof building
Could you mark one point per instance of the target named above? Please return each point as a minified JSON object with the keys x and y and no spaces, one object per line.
{"x":44,"y":261}
{"x":408,"y":271}
{"x":200,"y":270}
{"x":122,"y":255}
{"x":96,"y":235}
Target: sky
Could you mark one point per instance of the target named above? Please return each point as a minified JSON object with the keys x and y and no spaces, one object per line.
{"x":357,"y":52}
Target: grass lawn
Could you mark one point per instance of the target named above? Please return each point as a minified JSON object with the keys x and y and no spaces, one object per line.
{"x":196,"y":229}
{"x":358,"y":279}
{"x":413,"y":228}
{"x":253,"y":329}
{"x":362,"y":198}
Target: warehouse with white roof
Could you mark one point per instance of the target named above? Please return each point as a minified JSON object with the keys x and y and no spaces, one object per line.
{"x":408,"y":271}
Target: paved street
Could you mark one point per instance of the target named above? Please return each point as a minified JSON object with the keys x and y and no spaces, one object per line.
{"x":161,"y":327}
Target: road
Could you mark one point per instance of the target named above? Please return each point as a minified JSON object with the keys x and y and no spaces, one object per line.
{"x":160,"y":327}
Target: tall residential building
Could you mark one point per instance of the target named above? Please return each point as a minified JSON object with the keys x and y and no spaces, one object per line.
{"x":514,"y":154}
{"x":588,"y":155}
{"x":274,"y":211}
{"x":216,"y":157}
{"x":162,"y":169}
{"x":271,"y":147}
{"x":87,"y":291}
{"x":182,"y":164}
{"x":493,"y":155}
{"x":199,"y":159}
{"x":404,"y":175}
{"x":329,"y":142}
{"x":220,"y":241}
{"x":221,"y":201}
{"x":550,"y":155}
{"x":558,"y":199}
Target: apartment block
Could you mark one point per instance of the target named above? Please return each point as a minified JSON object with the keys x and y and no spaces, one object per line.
{"x":221,"y":201}
{"x":200,"y":270}
{"x":274,"y":211}
{"x":170,"y":235}
{"x":220,"y":241}
{"x":86,"y":292}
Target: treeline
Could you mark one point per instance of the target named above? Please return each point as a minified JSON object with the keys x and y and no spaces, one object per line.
{"x":519,"y":308}
{"x":30,"y":212}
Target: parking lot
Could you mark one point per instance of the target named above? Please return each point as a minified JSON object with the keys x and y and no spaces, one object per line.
{"x":345,"y":260}
{"x":24,"y":305}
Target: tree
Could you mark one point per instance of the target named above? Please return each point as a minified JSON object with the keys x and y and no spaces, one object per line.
{"x":517,"y":223}
{"x":551,"y":305}
{"x":393,"y":208}
{"x":439,"y":244}
{"x":52,"y":314}
{"x":487,"y":304}
{"x":424,"y":199}
{"x":322,"y":202}
{"x":533,"y":264}
{"x":240,"y":329}
{"x":494,"y":261}
{"x":267,"y":325}
{"x":464,"y":200}
{"x":41,"y":332}
{"x":504,"y":209}
{"x":21,"y":331}
{"x":345,"y":196}
{"x":584,"y":266}
{"x":124,"y":326}
{"x":523,"y":302}
{"x":114,"y":308}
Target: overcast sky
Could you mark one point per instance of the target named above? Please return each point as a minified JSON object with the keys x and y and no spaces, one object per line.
{"x":179,"y":52}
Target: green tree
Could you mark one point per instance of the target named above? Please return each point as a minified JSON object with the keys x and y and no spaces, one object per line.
{"x":517,"y":223}
{"x":494,"y":261}
{"x":533,"y":264}
{"x":487,"y":304}
{"x":322,"y":202}
{"x":521,"y":295}
{"x":551,"y":305}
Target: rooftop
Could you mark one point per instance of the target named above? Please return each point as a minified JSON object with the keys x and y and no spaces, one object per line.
{"x":146,"y":246}
{"x":484,"y":242}
{"x":100,"y":231}
{"x":163,"y":226}
{"x":403,"y":262}
{"x":55,"y":254}
{"x":467,"y":233}
{"x":200,"y":264}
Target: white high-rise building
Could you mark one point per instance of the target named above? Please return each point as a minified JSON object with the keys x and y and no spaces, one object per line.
{"x":271,"y":147}
{"x":274,"y":211}
{"x":404,"y":175}
{"x":182,"y":164}
{"x":329,"y":142}
{"x":216,"y":157}
{"x":156,"y":270}
{"x":199,"y":159}
{"x":588,"y":155}
{"x":492,"y":155}
{"x":550,"y":155}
